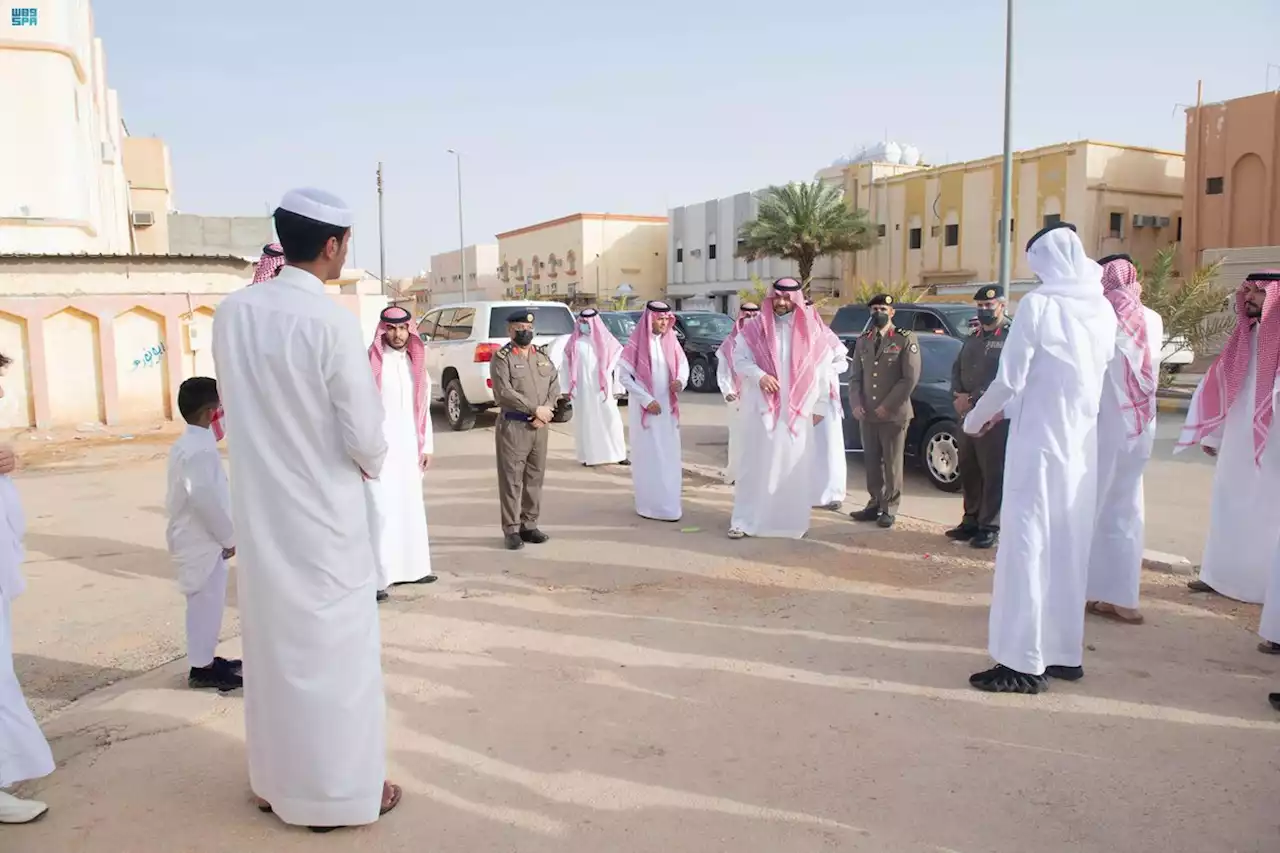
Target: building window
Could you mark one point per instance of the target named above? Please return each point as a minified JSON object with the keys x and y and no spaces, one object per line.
{"x":952,"y":236}
{"x":1213,"y":186}
{"x":711,"y":252}
{"x":679,"y":255}
{"x":1179,"y":229}
{"x":915,"y":238}
{"x":880,"y":231}
{"x":1117,"y":225}
{"x":1052,"y":219}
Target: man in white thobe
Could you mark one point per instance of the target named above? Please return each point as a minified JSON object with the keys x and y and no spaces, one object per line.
{"x":398,"y":509}
{"x":654,"y":370}
{"x":831,"y":466}
{"x":304,"y":428}
{"x":1126,"y":434}
{"x":24,"y":753}
{"x":784,"y":361}
{"x":590,"y":372}
{"x":1230,"y":417}
{"x":730,"y":384}
{"x":1048,"y":385}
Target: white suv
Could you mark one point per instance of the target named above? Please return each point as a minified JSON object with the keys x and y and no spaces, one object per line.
{"x":461,"y":340}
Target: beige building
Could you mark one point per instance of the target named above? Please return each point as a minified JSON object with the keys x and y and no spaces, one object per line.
{"x":482,"y":275}
{"x":150,"y":180}
{"x":586,"y":258}
{"x":1232,"y":191}
{"x":940,"y":225}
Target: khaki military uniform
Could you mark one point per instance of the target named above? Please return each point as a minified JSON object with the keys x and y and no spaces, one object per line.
{"x":885,"y":370}
{"x":521,"y":384}
{"x":981,"y":457}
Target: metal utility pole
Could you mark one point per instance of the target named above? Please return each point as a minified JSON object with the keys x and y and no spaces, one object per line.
{"x":1006,"y":195}
{"x":382,"y":243}
{"x":462,"y":242}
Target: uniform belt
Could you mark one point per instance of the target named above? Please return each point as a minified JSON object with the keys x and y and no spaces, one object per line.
{"x":517,"y":416}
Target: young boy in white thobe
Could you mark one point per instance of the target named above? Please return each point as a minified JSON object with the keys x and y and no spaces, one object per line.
{"x":200,"y":534}
{"x":24,"y":753}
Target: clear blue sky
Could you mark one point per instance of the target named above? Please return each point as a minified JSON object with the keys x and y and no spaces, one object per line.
{"x":567,"y":105}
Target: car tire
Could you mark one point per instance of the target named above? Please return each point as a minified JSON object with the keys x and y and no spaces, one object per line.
{"x":701,"y":375}
{"x":563,"y":412}
{"x":1171,"y":369}
{"x":940,"y":455}
{"x":460,"y":414}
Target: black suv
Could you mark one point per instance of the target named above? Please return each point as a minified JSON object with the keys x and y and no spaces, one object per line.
{"x":701,"y":333}
{"x":924,"y":318}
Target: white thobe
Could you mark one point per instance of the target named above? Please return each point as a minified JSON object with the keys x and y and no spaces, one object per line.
{"x":1115,"y":558}
{"x":727,"y":380}
{"x":1048,"y":385}
{"x":657,"y":472}
{"x":24,"y":753}
{"x":304,"y":419}
{"x":1244,"y":513}
{"x":774,"y":493}
{"x":831,"y":467}
{"x":399,"y":511}
{"x":597,"y":423}
{"x":198,"y":506}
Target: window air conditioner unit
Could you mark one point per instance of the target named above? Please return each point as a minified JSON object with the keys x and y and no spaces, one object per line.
{"x":1162,"y":221}
{"x":1141,"y":220}
{"x":143,"y":219}
{"x":108,"y":153}
{"x":695,"y":253}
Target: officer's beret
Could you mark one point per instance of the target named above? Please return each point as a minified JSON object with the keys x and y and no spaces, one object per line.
{"x":880,"y":299}
{"x":989,"y":291}
{"x":524,"y":315}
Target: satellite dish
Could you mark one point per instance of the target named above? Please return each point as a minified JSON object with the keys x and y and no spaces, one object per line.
{"x":625,"y":290}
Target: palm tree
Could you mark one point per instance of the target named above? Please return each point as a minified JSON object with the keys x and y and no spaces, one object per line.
{"x":1196,"y":311}
{"x":803,"y":222}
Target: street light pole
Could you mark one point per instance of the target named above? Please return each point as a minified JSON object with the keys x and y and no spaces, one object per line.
{"x":1006,"y":196}
{"x":462,"y":243}
{"x":382,"y":243}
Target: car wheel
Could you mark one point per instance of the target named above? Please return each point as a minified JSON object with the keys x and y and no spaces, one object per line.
{"x":940,"y":455}
{"x":460,"y":414}
{"x":563,"y":412}
{"x":700,"y":378}
{"x":1171,"y":369}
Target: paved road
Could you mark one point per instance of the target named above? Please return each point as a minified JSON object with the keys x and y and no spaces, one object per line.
{"x":635,"y":686}
{"x":1177,"y":487}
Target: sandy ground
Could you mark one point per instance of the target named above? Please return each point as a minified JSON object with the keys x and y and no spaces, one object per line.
{"x":636,"y":686}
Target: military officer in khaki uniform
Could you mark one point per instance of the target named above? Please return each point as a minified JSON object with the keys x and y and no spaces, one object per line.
{"x":981,"y":456}
{"x":884,"y":371}
{"x":525,"y":387}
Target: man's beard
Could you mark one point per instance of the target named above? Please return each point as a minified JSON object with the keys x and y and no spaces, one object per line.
{"x":1253,"y":312}
{"x":397,"y":346}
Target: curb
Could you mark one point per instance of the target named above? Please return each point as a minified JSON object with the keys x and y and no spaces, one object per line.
{"x":1152,"y":561}
{"x":1173,"y":405}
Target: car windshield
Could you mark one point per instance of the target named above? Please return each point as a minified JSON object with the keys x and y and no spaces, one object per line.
{"x":620,"y":325}
{"x":963,"y":318}
{"x":709,"y":325}
{"x":547,"y":319}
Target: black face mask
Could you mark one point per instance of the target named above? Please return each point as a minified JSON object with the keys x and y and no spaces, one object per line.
{"x":523,"y":338}
{"x":880,"y":319}
{"x":986,"y":316}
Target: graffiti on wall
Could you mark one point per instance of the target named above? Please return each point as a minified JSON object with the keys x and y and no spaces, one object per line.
{"x":150,"y":357}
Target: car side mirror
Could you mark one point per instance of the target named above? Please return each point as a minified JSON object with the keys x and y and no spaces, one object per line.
{"x":679,"y":336}
{"x":425,"y":337}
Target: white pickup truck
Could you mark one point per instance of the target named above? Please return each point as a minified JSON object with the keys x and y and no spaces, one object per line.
{"x":460,"y":342}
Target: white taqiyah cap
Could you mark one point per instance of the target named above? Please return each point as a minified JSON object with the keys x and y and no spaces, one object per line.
{"x":318,"y":205}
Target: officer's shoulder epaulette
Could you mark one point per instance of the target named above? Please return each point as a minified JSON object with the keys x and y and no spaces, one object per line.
{"x":903,"y":332}
{"x":502,"y":353}
{"x":542,"y":349}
